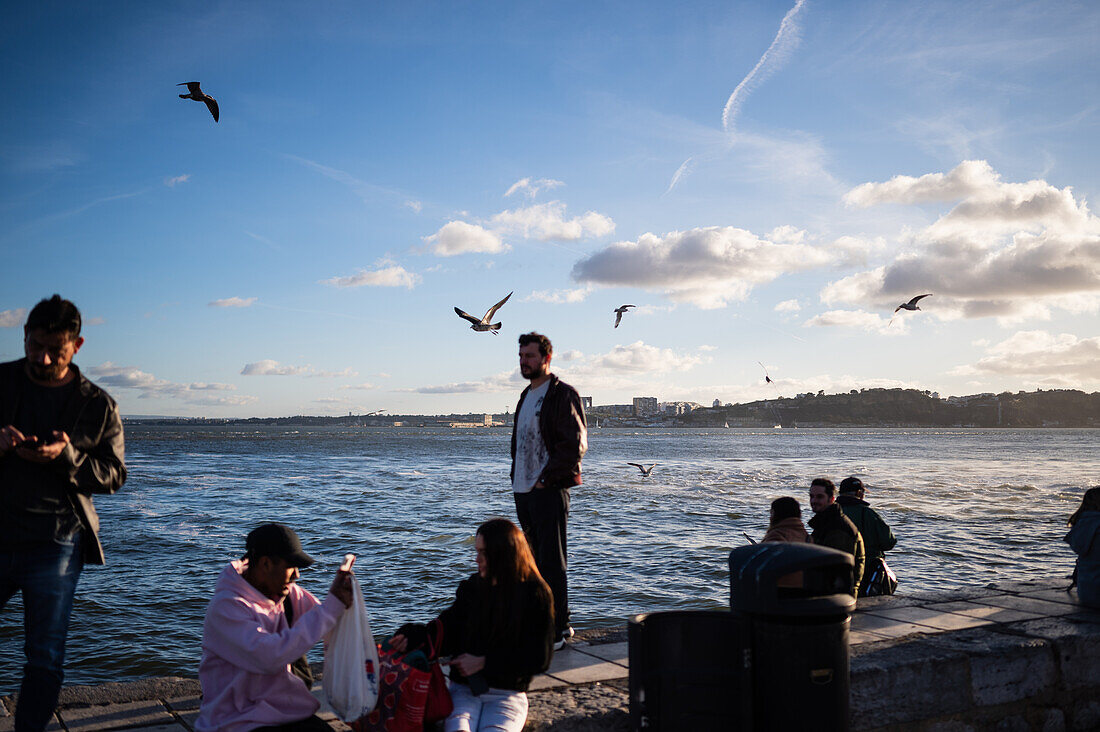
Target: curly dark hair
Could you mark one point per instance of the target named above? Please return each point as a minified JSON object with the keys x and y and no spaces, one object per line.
{"x":545,"y":348}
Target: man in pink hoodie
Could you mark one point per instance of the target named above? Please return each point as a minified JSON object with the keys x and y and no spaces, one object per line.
{"x":248,"y":643}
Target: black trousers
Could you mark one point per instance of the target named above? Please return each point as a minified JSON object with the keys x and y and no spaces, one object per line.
{"x":543,"y":514}
{"x":310,"y":724}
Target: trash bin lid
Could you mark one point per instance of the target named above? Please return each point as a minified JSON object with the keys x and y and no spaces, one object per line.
{"x":782,"y":578}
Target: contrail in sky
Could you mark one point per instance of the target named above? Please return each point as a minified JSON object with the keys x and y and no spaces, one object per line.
{"x":785,"y":41}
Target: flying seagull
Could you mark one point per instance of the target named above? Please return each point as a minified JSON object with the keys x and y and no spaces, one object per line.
{"x":483,"y":324}
{"x":767,"y":379}
{"x":912,"y":304}
{"x":645,"y":471}
{"x":197,"y":94}
{"x":619,"y":313}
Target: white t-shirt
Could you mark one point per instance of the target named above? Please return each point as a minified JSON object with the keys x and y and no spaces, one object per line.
{"x":531,"y":453}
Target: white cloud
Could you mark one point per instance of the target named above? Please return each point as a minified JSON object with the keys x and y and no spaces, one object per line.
{"x":12,"y":318}
{"x":531,"y":188}
{"x":968,"y":178}
{"x":547,"y":222}
{"x":346,"y":373}
{"x":232,"y":302}
{"x":1057,"y":360}
{"x":708,"y":348}
{"x":268,"y":367}
{"x":392,"y":276}
{"x":708,"y":267}
{"x":361,"y":387}
{"x":788,"y":306}
{"x":870,"y":322}
{"x":638,"y":357}
{"x":459,"y":237}
{"x":505,"y":381}
{"x":786,"y":40}
{"x":416,"y":206}
{"x":559,"y":297}
{"x":173,"y":182}
{"x":149,"y":386}
{"x":1013,"y":251}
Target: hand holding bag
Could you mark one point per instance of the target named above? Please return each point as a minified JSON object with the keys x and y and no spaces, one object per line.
{"x":351,"y":659}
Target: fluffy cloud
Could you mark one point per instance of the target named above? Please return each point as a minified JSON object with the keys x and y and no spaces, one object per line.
{"x":871,"y":322}
{"x":459,"y":237}
{"x":365,"y":386}
{"x":12,"y":318}
{"x":788,"y":306}
{"x":559,"y":297}
{"x":392,"y":276}
{"x":1056,"y":360}
{"x":707,"y":267}
{"x":531,"y":188}
{"x":268,"y":367}
{"x":347,"y":373}
{"x":232,"y":302}
{"x":620,"y":368}
{"x":149,"y":386}
{"x":416,"y":206}
{"x":1006,"y":250}
{"x":547,"y":222}
{"x":173,"y":182}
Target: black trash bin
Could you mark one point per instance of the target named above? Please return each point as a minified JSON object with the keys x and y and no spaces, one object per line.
{"x":686,"y":672}
{"x":794,"y":602}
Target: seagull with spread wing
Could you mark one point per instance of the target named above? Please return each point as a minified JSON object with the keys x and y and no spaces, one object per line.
{"x":199,"y":96}
{"x":912,"y":304}
{"x":483,"y":324}
{"x":645,"y":471}
{"x":619,"y":313}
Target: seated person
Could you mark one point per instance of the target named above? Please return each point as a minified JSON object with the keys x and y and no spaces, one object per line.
{"x":499,"y":630}
{"x":786,"y":522}
{"x":1084,"y":538}
{"x":259,"y":623}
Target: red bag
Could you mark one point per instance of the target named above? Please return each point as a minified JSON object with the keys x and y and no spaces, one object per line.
{"x":438,"y":705}
{"x":402,"y":694}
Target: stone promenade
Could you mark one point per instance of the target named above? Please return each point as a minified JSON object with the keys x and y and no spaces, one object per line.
{"x":1013,"y":656}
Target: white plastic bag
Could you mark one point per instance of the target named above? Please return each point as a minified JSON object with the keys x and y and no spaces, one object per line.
{"x":351,"y":660}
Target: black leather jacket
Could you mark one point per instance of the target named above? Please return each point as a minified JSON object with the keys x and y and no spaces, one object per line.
{"x":564,"y":431}
{"x":93,"y":461}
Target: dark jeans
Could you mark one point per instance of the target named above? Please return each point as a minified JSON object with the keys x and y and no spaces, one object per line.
{"x":310,"y":724}
{"x":543,"y":514}
{"x":47,"y":577}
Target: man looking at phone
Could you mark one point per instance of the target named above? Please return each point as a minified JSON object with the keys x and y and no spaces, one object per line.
{"x":60,"y":443}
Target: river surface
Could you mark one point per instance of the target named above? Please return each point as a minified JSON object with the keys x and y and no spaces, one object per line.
{"x":969,"y":506}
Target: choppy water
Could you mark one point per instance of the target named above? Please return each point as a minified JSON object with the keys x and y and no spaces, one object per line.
{"x":968,"y":506}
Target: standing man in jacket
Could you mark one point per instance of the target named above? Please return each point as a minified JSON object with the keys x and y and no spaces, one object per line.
{"x":60,"y":442}
{"x":549,"y":438}
{"x":877,"y":536}
{"x":833,"y":529}
{"x":258,"y":625}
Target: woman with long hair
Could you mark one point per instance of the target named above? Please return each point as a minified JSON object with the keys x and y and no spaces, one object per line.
{"x":1084,"y":538}
{"x":499,"y":632}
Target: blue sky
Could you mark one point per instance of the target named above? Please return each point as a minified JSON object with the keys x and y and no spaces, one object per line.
{"x":765,"y":181}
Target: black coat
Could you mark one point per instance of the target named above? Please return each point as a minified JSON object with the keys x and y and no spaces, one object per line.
{"x":512,"y":626}
{"x":835,"y":530}
{"x":93,"y":461}
{"x":564,"y":432}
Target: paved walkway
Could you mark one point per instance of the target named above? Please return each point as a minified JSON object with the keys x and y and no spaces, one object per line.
{"x":172,"y":704}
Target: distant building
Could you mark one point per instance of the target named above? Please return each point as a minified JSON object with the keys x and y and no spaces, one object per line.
{"x":586,"y":402}
{"x":645,"y":406}
{"x":717,"y":403}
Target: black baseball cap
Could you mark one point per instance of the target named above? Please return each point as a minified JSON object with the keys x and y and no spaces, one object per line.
{"x":851,"y":485}
{"x":277,"y":540}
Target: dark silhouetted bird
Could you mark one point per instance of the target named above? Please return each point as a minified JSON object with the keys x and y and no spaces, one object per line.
{"x":619,"y":313}
{"x":912,"y":304}
{"x":645,"y":471}
{"x":199,"y":96}
{"x":483,"y":324}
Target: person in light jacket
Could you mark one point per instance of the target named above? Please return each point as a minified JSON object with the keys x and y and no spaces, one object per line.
{"x":1084,"y":538}
{"x":248,"y":643}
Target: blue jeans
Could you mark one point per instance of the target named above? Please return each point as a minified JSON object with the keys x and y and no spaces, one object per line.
{"x":496,"y":710}
{"x":47,"y":577}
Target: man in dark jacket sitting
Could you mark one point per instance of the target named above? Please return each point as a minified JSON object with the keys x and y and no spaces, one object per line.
{"x":877,"y":536}
{"x":833,"y":529}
